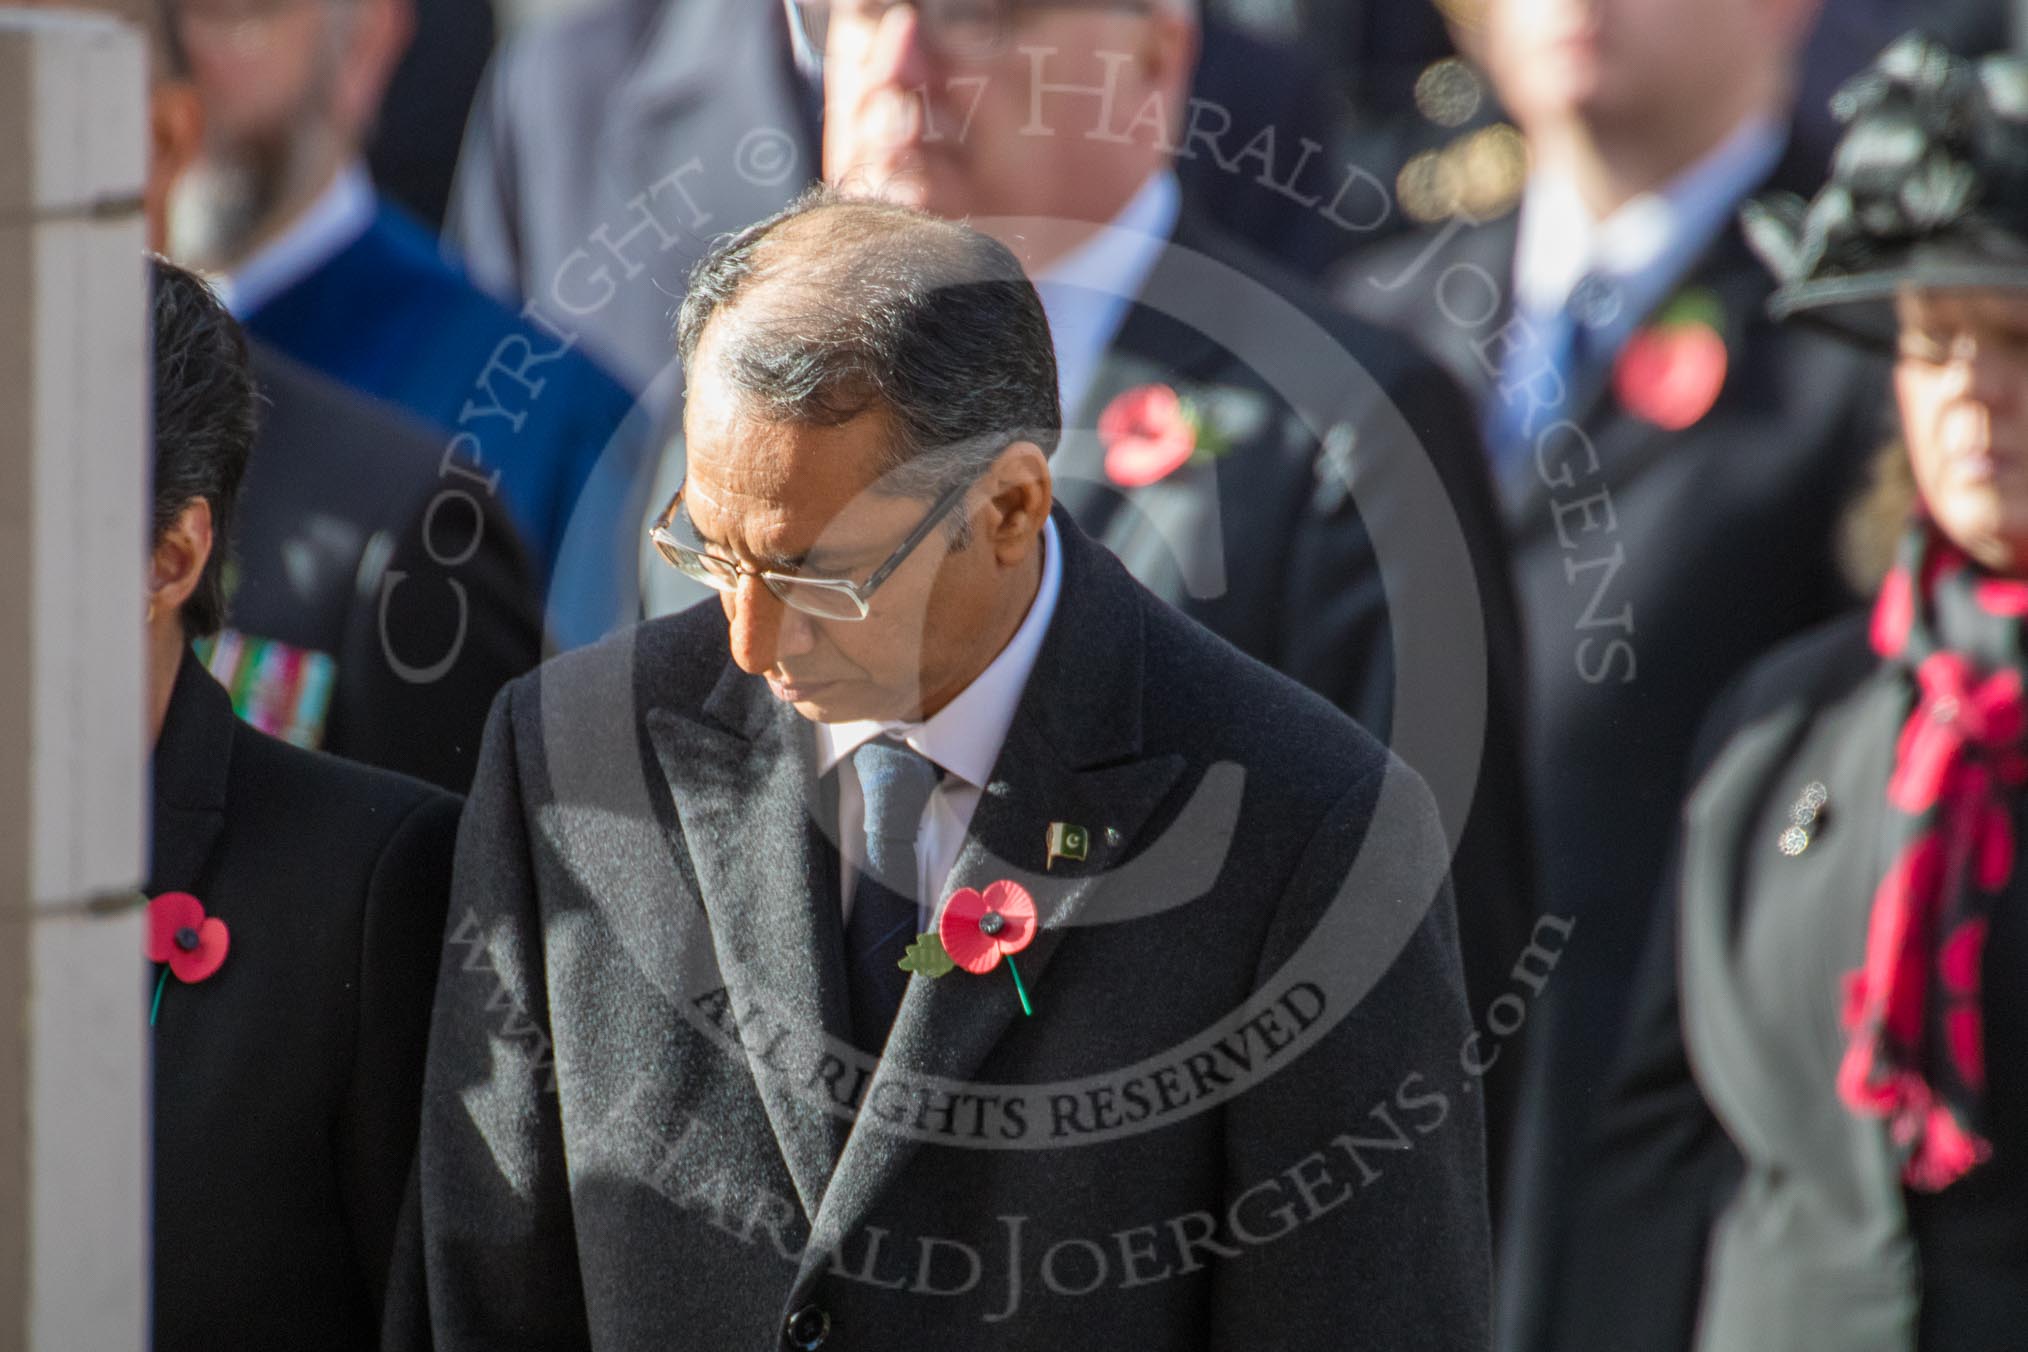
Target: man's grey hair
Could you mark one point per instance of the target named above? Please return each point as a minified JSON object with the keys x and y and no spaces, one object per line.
{"x":837,"y":306}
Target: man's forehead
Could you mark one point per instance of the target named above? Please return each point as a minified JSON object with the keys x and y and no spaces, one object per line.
{"x":789,"y":484}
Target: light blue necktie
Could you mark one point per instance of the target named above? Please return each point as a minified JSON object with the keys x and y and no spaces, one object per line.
{"x":895,"y":782}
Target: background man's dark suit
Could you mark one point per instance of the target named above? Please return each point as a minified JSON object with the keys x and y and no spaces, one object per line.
{"x":1266,"y":547}
{"x":287,"y":1083}
{"x":415,"y":142}
{"x":1709,"y":546}
{"x":660,"y":1188}
{"x":341,"y":494}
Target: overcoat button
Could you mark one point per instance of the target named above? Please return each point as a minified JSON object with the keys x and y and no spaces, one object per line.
{"x":807,"y":1328}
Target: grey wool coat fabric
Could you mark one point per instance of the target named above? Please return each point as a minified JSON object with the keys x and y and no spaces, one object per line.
{"x":1234,"y":1120}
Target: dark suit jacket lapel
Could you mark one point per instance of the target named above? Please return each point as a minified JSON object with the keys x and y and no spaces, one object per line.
{"x":1151,"y":348}
{"x":749,"y":807}
{"x":1626,"y":443}
{"x":1079,"y":465}
{"x":1460,"y":264}
{"x":1073,"y":754}
{"x":192,"y":758}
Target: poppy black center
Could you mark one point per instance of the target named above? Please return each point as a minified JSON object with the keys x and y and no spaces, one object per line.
{"x":991,"y":923}
{"x":186,"y":939}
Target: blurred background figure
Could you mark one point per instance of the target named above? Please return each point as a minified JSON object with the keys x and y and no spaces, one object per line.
{"x":611,"y":143}
{"x":609,"y":147}
{"x":1398,"y":89}
{"x":413,"y":148}
{"x":1264,"y":149}
{"x":376,"y":606}
{"x":1405,"y":82}
{"x":1222,"y":495}
{"x":1671,"y":464}
{"x":315,"y":263}
{"x":297,"y":914}
{"x":1819,"y":1136}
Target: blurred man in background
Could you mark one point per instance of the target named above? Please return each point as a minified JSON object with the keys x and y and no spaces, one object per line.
{"x":610,"y":144}
{"x":608,"y":147}
{"x":1671,"y":465}
{"x":1220,"y":459}
{"x":373,"y":609}
{"x":414,"y":148}
{"x":314,"y":263}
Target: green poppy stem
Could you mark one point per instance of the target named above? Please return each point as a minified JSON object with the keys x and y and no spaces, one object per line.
{"x":156,"y":1008}
{"x":1020,"y":989}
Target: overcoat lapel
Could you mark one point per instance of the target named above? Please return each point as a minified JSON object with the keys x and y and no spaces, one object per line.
{"x":749,"y":807}
{"x":755,"y":827}
{"x":1073,"y":754}
{"x":191,"y":761}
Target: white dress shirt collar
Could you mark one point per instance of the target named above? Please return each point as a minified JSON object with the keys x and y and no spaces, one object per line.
{"x":964,"y":737}
{"x":333,"y":220}
{"x":1086,"y":292}
{"x":1651,"y":241}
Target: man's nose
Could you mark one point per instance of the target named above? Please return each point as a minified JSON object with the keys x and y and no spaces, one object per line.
{"x":763,"y":630}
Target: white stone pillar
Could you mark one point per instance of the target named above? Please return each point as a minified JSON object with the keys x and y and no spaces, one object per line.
{"x":74,"y":468}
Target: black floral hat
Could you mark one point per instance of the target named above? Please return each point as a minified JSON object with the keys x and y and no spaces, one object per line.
{"x":1929,"y":188}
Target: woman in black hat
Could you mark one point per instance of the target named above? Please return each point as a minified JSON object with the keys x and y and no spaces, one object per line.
{"x":1820,"y":1139}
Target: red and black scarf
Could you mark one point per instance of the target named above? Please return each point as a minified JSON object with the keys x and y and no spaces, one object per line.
{"x":1914,"y":1012}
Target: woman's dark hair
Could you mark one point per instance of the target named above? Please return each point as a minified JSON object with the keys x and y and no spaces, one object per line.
{"x":204,"y":423}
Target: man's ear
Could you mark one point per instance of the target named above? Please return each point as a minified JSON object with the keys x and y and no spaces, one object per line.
{"x":381,"y":33}
{"x":181,"y":551}
{"x":175,"y":136}
{"x":1169,"y":57}
{"x":1022,"y":492}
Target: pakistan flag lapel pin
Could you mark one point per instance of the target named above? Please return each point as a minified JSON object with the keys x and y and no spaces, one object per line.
{"x":1067,"y":842}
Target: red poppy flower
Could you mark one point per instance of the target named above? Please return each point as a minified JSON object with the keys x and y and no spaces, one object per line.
{"x":180,"y":934}
{"x":1148,"y":435}
{"x":979,"y":928}
{"x":1671,"y":374}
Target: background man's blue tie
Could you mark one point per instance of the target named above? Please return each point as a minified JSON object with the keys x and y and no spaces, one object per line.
{"x":1569,"y":343}
{"x":896,"y":783}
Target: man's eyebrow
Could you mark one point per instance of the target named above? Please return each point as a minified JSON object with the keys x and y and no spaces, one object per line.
{"x":780,"y":563}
